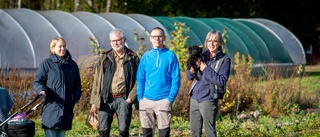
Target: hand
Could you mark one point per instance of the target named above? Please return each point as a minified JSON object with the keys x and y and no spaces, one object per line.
{"x":202,"y":65}
{"x":93,"y":109}
{"x":191,"y":70}
{"x":43,"y":94}
{"x":129,"y":100}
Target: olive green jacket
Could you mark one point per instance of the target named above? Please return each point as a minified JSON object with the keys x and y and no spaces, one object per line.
{"x":130,"y":65}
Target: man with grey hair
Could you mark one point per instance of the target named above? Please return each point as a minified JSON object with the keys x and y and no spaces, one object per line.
{"x":113,"y":86}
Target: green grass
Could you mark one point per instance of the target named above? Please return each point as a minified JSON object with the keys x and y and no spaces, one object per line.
{"x":79,"y":128}
{"x":301,"y":124}
{"x":311,"y":83}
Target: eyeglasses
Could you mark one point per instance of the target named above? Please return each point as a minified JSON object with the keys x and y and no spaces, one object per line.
{"x":211,"y":41}
{"x":117,"y":40}
{"x":155,"y":37}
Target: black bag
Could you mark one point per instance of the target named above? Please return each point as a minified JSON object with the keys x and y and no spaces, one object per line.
{"x":25,"y":129}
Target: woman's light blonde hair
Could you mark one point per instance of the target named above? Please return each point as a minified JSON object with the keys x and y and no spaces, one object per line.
{"x":215,"y":33}
{"x":54,"y":43}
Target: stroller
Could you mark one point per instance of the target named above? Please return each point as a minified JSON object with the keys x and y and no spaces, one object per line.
{"x":26,"y":128}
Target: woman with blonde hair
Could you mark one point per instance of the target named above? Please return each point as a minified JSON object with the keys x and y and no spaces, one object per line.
{"x":58,"y":81}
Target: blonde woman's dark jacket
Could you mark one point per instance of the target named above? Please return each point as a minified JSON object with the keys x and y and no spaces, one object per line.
{"x":130,"y":66}
{"x":61,"y":82}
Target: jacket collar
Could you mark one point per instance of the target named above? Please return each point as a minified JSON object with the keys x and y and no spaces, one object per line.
{"x":160,"y":49}
{"x":206,"y":55}
{"x":58,"y":59}
{"x":127,"y":55}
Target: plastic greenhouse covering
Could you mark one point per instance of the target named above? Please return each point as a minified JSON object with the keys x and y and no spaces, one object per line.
{"x":25,"y":35}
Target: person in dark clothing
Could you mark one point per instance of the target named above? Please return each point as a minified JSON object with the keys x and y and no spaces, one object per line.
{"x":204,"y":100}
{"x":58,"y":81}
{"x":113,"y":86}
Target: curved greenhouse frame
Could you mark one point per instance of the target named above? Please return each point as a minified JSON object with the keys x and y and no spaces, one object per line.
{"x":25,"y":35}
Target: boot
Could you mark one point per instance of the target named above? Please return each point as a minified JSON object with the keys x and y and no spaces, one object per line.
{"x":147,"y":132}
{"x":123,"y":133}
{"x":164,"y":132}
{"x":104,"y":133}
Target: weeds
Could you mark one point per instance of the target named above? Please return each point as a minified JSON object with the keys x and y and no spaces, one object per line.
{"x":141,"y":40}
{"x":275,"y":99}
{"x":178,"y":43}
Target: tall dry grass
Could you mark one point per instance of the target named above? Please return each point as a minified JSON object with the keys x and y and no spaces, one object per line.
{"x":87,"y":69}
{"x":19,"y":84}
{"x":182,"y":101}
{"x":276,"y":91}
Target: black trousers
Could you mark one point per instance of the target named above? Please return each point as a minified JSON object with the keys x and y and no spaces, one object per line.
{"x":123,"y":111}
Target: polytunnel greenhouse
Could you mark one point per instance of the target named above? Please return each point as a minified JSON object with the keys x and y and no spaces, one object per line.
{"x":25,"y":35}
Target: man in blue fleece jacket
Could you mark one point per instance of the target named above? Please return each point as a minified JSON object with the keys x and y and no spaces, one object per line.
{"x":158,"y":83}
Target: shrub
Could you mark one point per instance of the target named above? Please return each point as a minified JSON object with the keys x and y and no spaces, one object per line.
{"x":240,"y":86}
{"x":19,"y":84}
{"x":178,"y":43}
